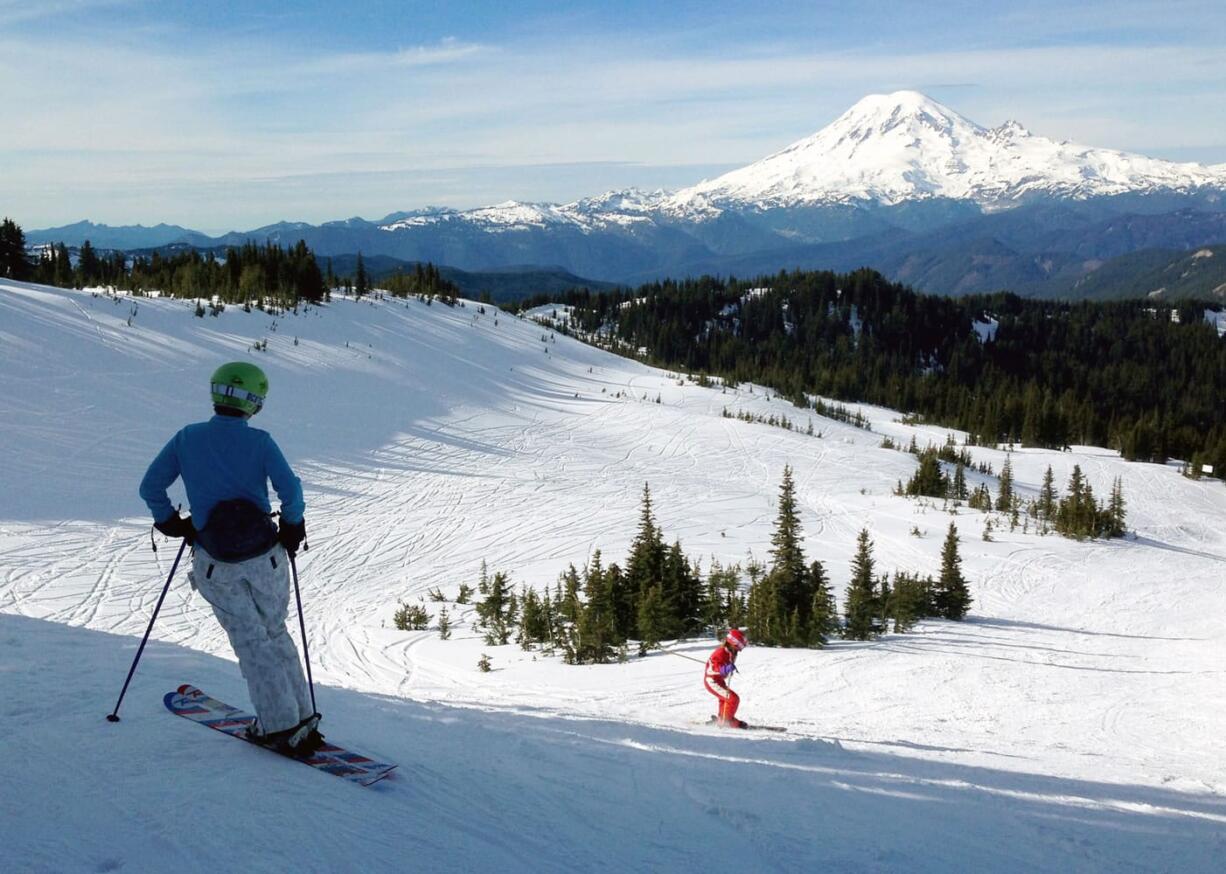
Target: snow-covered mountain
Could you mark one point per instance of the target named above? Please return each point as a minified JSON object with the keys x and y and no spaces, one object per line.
{"x":890,"y":148}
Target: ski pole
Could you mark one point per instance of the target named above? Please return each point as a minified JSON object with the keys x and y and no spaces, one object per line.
{"x":113,"y":716}
{"x":692,"y":659}
{"x":306,"y":655}
{"x":683,"y":656}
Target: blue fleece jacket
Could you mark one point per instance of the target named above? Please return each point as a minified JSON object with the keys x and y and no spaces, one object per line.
{"x":221,"y":459}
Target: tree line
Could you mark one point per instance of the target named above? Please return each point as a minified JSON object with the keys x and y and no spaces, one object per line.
{"x":1141,"y":377}
{"x":241,"y":274}
{"x":1077,"y":515}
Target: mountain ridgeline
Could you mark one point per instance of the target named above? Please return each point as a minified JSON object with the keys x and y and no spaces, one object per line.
{"x":899,"y":182}
{"x":1140,"y":377}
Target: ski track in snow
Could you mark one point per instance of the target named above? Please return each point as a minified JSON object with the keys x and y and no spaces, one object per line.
{"x":429,"y":440}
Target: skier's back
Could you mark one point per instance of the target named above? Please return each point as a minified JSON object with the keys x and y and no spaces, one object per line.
{"x":240,"y":558}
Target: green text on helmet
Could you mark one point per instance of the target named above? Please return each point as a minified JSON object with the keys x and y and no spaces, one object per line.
{"x":240,"y":385}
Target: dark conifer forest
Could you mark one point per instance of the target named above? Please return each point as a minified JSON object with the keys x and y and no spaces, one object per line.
{"x":1142,"y":377}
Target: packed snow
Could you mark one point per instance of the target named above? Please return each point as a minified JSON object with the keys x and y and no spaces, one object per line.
{"x":1073,"y":722}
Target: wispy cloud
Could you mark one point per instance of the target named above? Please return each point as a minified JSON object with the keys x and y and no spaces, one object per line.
{"x":19,"y":11}
{"x":448,"y":50}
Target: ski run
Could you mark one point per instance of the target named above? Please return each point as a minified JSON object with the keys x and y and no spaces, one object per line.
{"x":1073,"y":722}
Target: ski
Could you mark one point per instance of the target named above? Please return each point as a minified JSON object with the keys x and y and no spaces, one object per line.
{"x":714,"y":721}
{"x":191,"y":703}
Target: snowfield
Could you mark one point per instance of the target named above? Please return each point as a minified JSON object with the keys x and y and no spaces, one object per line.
{"x":1072,"y":723}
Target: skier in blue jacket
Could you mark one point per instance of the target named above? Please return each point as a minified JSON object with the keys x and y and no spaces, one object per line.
{"x":240,"y":558}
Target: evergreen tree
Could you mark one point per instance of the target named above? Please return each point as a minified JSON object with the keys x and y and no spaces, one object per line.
{"x":860,"y":602}
{"x":496,"y":610}
{"x":764,"y":617}
{"x":534,"y":617}
{"x":1116,"y":516}
{"x":444,"y":623}
{"x":722,"y":604}
{"x":957,"y":491}
{"x":361,"y":281}
{"x":645,"y":564}
{"x":929,"y":479}
{"x":1047,"y":497}
{"x":791,"y":592}
{"x":980,"y":499}
{"x":909,"y":601}
{"x":569,"y":607}
{"x":1005,"y":497}
{"x":596,"y":636}
{"x":13,"y":261}
{"x":951,"y":598}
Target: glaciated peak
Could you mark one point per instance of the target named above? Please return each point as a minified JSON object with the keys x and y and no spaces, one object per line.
{"x":888,"y":148}
{"x":879,"y":114}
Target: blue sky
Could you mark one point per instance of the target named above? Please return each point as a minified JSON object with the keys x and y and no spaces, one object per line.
{"x":233,"y":115}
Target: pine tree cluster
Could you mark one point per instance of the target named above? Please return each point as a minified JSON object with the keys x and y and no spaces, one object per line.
{"x":244,"y":274}
{"x":425,"y":281}
{"x":871,"y":603}
{"x":592,"y":616}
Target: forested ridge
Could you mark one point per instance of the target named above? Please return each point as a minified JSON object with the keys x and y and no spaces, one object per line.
{"x":1145,"y":378}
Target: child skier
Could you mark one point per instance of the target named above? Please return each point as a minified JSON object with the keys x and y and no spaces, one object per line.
{"x":240,"y":558}
{"x":720,"y":666}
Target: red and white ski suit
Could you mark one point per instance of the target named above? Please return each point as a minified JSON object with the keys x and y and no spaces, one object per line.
{"x":720,"y":665}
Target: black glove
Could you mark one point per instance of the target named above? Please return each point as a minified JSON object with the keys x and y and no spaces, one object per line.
{"x":178,"y":526}
{"x":291,"y":534}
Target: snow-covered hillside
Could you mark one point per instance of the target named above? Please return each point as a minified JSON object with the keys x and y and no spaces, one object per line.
{"x":1072,"y":723}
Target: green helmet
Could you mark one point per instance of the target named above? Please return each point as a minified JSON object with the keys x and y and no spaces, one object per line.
{"x":239,"y":385}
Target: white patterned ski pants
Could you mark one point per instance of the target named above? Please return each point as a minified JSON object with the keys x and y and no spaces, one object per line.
{"x":251,"y":601}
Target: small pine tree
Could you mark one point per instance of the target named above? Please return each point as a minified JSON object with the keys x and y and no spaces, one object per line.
{"x":1004,"y":499}
{"x":1116,"y":524}
{"x":411,"y":617}
{"x":951,"y":598}
{"x":957,"y":490}
{"x":444,"y":623}
{"x":496,"y":610}
{"x":929,"y":479}
{"x":484,"y":665}
{"x":909,"y":601}
{"x":861,"y":591}
{"x":1047,"y":497}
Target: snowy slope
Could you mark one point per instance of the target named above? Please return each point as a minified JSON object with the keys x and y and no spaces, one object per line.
{"x":1073,"y":722}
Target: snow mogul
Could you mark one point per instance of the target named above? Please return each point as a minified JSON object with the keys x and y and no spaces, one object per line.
{"x":721,"y":665}
{"x":240,"y":558}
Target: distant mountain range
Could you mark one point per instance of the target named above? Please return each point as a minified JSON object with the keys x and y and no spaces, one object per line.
{"x":899,"y":182}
